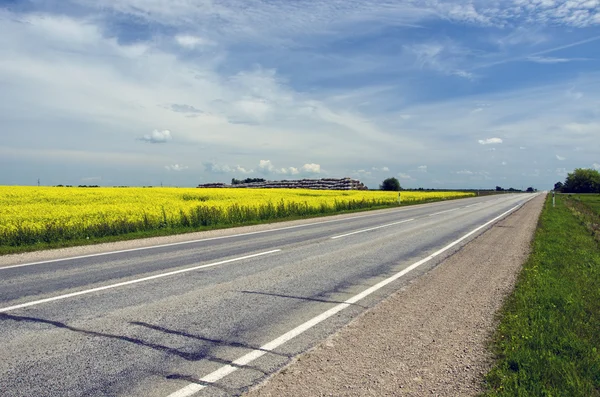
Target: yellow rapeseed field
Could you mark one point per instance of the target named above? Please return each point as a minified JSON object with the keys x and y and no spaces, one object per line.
{"x":30,"y":215}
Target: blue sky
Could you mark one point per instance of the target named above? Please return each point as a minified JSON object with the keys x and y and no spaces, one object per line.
{"x":440,"y":94}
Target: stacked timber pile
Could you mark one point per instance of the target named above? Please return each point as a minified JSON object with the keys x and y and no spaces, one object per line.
{"x":315,"y":184}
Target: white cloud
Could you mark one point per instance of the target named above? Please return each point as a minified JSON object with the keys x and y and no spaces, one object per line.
{"x":157,"y":137}
{"x":362,"y":173}
{"x":522,"y":148}
{"x":216,"y":168}
{"x":560,"y":158}
{"x":422,"y":168}
{"x":490,"y":141}
{"x":176,"y":167}
{"x":596,"y":166}
{"x":382,"y":169}
{"x":504,"y":163}
{"x":267,"y":167}
{"x":465,"y":172}
{"x":190,"y":41}
{"x":311,"y":168}
{"x":402,"y":175}
{"x":550,"y":60}
{"x":243,"y":170}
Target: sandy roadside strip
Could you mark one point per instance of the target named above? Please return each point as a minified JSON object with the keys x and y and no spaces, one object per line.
{"x":427,"y":339}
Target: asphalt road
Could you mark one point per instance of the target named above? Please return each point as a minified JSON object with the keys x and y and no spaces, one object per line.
{"x":213,"y":317}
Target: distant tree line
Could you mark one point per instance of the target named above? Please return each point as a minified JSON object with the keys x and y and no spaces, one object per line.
{"x":77,"y":186}
{"x":582,"y":180}
{"x":393,"y":184}
{"x":512,"y":189}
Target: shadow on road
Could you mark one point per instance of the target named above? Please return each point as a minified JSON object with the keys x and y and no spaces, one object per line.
{"x":203,"y":353}
{"x":300,"y":298}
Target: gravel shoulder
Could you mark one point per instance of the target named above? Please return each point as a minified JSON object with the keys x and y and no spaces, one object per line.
{"x":429,"y":338}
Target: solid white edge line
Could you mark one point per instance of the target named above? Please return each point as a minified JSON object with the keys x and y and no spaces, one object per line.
{"x":213,"y":238}
{"x":373,"y":228}
{"x":219,"y":374}
{"x":139,"y":280}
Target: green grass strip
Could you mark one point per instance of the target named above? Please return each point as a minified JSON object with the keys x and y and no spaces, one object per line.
{"x":548,"y":339}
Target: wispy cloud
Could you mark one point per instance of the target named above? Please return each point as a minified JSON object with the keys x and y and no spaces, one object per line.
{"x":550,"y":60}
{"x":382,"y":169}
{"x":310,"y":86}
{"x":490,"y":141}
{"x":190,"y":41}
{"x":157,"y":137}
{"x":560,"y":158}
{"x":266,"y":167}
{"x":176,"y":167}
{"x":441,"y":57}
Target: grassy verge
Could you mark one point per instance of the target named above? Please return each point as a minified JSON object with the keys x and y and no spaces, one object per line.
{"x":548,"y":339}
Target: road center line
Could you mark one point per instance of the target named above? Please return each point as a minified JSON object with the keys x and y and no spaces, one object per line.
{"x":443,"y":212}
{"x":139,"y":280}
{"x":225,"y":370}
{"x":373,"y":228}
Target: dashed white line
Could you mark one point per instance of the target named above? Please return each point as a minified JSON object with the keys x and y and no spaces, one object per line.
{"x":139,"y":280}
{"x":443,"y":212}
{"x":372,"y":228}
{"x":222,"y":372}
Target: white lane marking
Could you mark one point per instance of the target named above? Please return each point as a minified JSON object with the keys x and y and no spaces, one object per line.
{"x":472,"y":205}
{"x":443,"y":212}
{"x":225,"y":370}
{"x":373,"y":228}
{"x":139,"y":280}
{"x":215,"y":238}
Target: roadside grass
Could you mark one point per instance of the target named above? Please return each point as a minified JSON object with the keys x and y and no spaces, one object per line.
{"x":586,"y":207}
{"x":591,"y":200}
{"x":548,"y":339}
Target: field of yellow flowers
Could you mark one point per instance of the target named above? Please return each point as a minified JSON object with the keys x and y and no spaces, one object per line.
{"x":31,"y":215}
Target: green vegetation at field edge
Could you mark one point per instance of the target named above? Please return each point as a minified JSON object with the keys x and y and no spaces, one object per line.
{"x":548,"y":339}
{"x":173,"y":230}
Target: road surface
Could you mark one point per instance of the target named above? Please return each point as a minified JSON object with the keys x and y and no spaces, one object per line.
{"x":214,"y":316}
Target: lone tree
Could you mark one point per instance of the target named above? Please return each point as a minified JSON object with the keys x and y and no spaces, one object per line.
{"x":582,"y":181}
{"x":391,"y":185}
{"x":558,"y":186}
